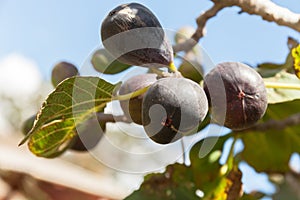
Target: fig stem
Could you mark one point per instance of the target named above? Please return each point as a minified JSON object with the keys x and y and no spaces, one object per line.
{"x":277,"y":85}
{"x":230,"y":158}
{"x":183,"y":151}
{"x":172,"y":67}
{"x":131,"y":95}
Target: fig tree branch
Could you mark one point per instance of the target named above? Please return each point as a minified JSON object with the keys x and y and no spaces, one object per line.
{"x":292,"y":120}
{"x":111,"y":118}
{"x":268,"y":10}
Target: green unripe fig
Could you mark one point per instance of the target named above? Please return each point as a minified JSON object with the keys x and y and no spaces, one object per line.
{"x":184,"y":33}
{"x":61,"y":71}
{"x":104,"y":62}
{"x":237,"y":95}
{"x":132,"y":108}
{"x":173,"y":108}
{"x":133,"y":34}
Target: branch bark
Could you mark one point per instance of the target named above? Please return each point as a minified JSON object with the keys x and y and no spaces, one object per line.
{"x":292,"y":120}
{"x":268,"y":10}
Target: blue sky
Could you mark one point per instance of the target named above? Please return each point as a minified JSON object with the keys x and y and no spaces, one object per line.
{"x":50,"y":31}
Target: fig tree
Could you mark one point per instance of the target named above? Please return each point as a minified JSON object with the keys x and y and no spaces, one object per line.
{"x":172,"y":108}
{"x":237,"y":95}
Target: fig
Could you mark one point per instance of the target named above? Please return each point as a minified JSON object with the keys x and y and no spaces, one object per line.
{"x":173,"y":108}
{"x":133,"y":34}
{"x":237,"y":95}
{"x":89,"y":135}
{"x":104,"y":62}
{"x":132,"y":108}
{"x":61,"y":71}
{"x":28,"y":124}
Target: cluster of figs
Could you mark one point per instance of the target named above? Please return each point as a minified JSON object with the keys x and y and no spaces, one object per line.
{"x":173,"y":106}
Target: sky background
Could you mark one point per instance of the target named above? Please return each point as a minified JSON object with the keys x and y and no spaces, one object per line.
{"x":37,"y":34}
{"x":51,"y":31}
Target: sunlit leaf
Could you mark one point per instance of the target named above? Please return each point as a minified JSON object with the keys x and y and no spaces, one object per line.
{"x":70,"y":104}
{"x":276,"y":95}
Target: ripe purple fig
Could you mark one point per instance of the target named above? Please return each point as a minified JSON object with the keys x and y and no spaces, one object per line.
{"x":237,"y":95}
{"x":133,"y":34}
{"x":173,"y":108}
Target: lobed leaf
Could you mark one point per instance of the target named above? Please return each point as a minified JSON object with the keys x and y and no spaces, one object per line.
{"x":69,"y":105}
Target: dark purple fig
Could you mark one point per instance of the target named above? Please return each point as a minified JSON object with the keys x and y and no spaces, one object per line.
{"x":172,"y":108}
{"x":133,"y":108}
{"x":133,"y":35}
{"x":61,"y":71}
{"x":89,"y":135}
{"x":237,"y":95}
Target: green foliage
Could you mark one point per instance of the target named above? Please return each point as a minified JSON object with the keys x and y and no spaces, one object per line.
{"x":269,"y":150}
{"x":204,"y":174}
{"x":70,"y":104}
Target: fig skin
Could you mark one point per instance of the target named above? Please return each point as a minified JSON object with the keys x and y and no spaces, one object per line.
{"x":237,"y":95}
{"x":173,"y":108}
{"x":62,"y":71}
{"x":132,"y":108}
{"x":89,"y":135}
{"x":28,"y":124}
{"x":138,"y":37}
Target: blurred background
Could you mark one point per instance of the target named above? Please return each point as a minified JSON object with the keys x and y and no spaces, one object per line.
{"x":35,"y":35}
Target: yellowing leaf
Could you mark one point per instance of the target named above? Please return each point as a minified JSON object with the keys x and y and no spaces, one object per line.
{"x":296,"y":56}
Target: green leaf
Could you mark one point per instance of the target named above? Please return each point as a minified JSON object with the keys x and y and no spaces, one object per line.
{"x":277,"y":95}
{"x":271,"y":69}
{"x":69,"y":105}
{"x":104,"y":62}
{"x":204,"y":174}
{"x":270,"y":150}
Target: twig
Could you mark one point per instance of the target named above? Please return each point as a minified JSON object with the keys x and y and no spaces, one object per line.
{"x":268,"y":10}
{"x":277,"y":124}
{"x":112,"y":118}
{"x":199,"y":33}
